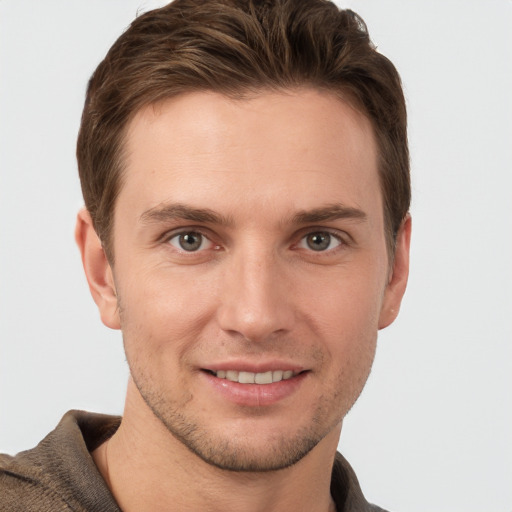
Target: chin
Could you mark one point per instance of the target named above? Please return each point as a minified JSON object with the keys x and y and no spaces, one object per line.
{"x":248,"y":446}
{"x":242,"y":453}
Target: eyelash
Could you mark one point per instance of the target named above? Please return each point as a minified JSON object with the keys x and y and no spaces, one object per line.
{"x":344,"y":240}
{"x":341,"y":240}
{"x":175,"y":235}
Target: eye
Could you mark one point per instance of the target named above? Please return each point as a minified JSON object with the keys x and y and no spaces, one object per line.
{"x":319,"y":241}
{"x":190,"y":241}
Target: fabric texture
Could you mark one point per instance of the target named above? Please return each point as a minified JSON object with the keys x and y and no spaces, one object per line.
{"x":59,"y":474}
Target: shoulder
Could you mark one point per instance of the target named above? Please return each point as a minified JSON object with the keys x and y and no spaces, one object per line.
{"x":22,"y":488}
{"x":346,"y":491}
{"x":59,"y":473}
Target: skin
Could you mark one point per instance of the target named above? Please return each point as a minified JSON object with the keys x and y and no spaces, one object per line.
{"x":280,"y":175}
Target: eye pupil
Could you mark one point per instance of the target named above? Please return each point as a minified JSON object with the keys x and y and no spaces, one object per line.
{"x":318,"y":241}
{"x":190,"y":241}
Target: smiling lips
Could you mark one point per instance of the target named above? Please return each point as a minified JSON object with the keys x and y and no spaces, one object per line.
{"x":244,"y":377}
{"x":256,"y":388}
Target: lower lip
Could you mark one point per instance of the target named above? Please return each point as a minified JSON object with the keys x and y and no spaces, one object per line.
{"x":255,"y":395}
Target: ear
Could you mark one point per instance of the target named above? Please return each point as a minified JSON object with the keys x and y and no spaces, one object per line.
{"x":97,"y":270}
{"x":397,"y":283}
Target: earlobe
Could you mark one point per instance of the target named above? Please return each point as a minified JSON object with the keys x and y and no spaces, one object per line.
{"x":397,"y":284}
{"x":97,"y":270}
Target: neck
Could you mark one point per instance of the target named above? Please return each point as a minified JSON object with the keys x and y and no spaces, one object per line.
{"x":148,"y":469}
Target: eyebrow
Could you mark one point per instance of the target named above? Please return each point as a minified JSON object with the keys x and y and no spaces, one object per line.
{"x":175,"y":211}
{"x":329,"y":213}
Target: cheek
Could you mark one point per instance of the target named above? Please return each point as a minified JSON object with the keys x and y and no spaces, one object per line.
{"x":160,"y":308}
{"x":346,"y":304}
{"x":345,"y":317}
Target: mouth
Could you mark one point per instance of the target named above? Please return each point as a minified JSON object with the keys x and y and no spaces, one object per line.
{"x":266,"y":385}
{"x":244,"y":377}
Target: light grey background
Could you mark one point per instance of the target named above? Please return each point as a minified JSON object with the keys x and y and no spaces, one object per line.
{"x":433,"y":429}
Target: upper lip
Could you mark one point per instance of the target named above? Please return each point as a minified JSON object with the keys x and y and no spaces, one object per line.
{"x":259,"y":367}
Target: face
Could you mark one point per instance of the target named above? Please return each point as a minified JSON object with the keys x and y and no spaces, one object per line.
{"x":251,"y":272}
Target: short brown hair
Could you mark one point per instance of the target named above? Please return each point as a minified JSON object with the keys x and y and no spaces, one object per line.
{"x":237,"y":47}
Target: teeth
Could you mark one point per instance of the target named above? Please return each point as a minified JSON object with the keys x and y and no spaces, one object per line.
{"x":277,"y":375}
{"x":255,"y":378}
{"x":263,"y":378}
{"x":232,"y":375}
{"x":246,"y":377}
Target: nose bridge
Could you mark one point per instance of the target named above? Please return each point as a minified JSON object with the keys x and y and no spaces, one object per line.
{"x":255,"y":302}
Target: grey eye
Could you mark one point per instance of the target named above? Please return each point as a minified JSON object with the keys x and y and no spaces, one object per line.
{"x":190,"y":241}
{"x":319,"y":241}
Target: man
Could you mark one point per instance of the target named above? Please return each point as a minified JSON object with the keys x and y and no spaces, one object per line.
{"x":245,"y":173}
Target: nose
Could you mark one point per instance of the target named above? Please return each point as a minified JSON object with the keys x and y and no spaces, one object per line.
{"x":256,"y":298}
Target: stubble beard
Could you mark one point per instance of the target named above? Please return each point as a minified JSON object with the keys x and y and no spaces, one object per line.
{"x":231,"y":453}
{"x":237,"y":454}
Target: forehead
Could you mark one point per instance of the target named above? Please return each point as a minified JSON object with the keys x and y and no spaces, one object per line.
{"x":287,"y":148}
